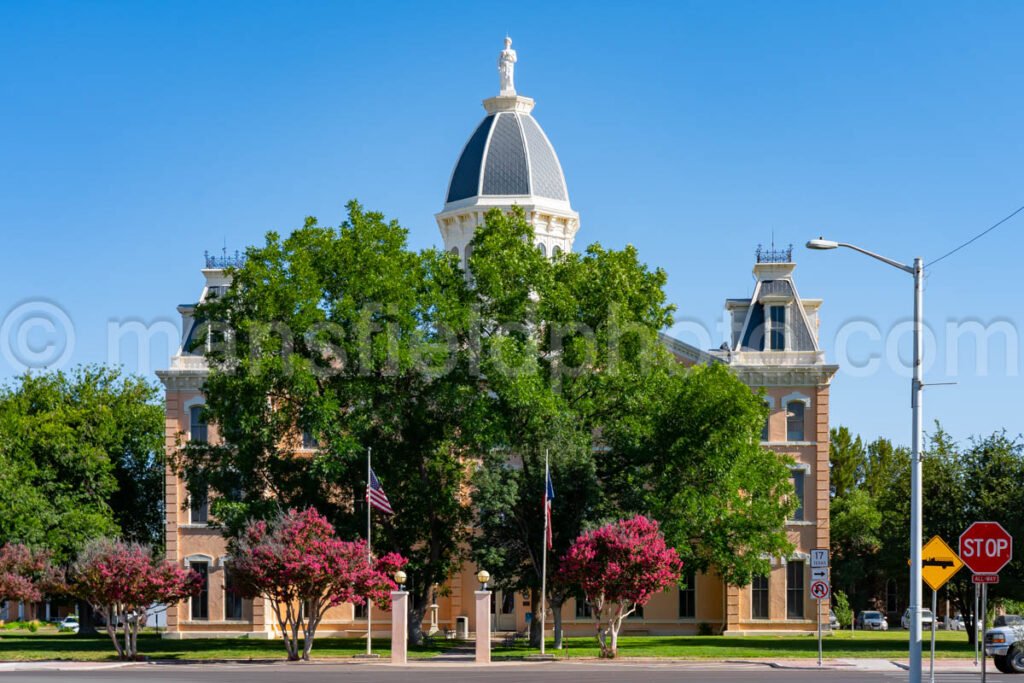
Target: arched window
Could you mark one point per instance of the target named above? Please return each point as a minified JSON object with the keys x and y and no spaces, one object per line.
{"x":795,"y":421}
{"x":454,"y":251}
{"x":555,"y":251}
{"x":543,"y":250}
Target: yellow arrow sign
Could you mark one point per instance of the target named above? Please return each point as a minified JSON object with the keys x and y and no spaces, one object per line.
{"x":938,"y":563}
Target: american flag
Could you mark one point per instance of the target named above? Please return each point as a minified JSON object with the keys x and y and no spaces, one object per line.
{"x":376,"y":496}
{"x":549,"y":495}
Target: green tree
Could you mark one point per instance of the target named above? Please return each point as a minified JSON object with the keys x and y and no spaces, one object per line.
{"x":350,"y":336}
{"x":854,"y":528}
{"x":81,"y":456}
{"x":846,"y":461}
{"x":564,"y":346}
{"x":696,"y":463}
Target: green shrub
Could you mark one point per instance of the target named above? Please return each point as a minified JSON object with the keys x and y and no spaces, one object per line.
{"x":704,"y":629}
{"x":841,"y":606}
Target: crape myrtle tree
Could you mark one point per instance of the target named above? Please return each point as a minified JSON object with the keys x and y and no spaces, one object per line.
{"x":351,"y":337}
{"x":619,"y":567}
{"x":302,"y":568}
{"x":565,"y":343}
{"x":121,"y":580}
{"x":26,"y":575}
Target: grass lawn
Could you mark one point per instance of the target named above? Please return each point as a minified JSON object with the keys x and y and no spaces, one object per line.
{"x":889,"y":645}
{"x":48,"y":644}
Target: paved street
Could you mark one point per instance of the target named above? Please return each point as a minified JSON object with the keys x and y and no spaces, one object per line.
{"x":596,"y":672}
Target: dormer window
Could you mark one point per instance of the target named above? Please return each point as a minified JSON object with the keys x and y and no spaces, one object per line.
{"x":309,"y":440}
{"x":776,"y":328}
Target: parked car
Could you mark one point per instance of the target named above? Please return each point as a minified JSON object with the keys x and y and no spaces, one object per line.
{"x":926,"y":619}
{"x":833,"y":622}
{"x":871,"y":620}
{"x":955,"y":622}
{"x":68,"y":623}
{"x":1003,"y":642}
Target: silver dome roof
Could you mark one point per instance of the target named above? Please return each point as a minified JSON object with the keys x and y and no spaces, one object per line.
{"x":508,"y":155}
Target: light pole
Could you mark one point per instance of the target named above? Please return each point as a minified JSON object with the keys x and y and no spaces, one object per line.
{"x":916,"y":385}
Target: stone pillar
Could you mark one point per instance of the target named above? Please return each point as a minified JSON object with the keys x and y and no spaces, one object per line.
{"x":399,"y":628}
{"x":483,"y":627}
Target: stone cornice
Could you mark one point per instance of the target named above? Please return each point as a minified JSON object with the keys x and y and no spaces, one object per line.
{"x":178,"y":380}
{"x":786,"y":376}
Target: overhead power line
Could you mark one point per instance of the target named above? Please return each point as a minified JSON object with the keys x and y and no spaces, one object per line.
{"x":977,"y":237}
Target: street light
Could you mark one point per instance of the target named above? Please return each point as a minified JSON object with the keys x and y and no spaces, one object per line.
{"x":400,"y":578}
{"x":483,"y":576}
{"x":916,"y":385}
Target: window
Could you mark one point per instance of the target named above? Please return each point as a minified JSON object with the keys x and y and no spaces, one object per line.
{"x":232,"y":598}
{"x":201,"y":602}
{"x":555,"y":251}
{"x":508,"y":602}
{"x":196,"y":424}
{"x":687,"y":595}
{"x":759,"y":598}
{"x":309,"y":442}
{"x":765,"y":434}
{"x":543,"y":250}
{"x":638,"y":612}
{"x":199,"y":507}
{"x":359,"y":611}
{"x":582,"y":608}
{"x":776,"y":328}
{"x":795,"y":589}
{"x":795,"y":421}
{"x":798,"y":485}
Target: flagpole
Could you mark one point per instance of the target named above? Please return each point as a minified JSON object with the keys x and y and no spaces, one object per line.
{"x":369,"y":552}
{"x":544,"y":550}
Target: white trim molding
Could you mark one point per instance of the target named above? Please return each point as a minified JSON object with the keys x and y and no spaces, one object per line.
{"x":198,"y":557}
{"x":796,"y":396}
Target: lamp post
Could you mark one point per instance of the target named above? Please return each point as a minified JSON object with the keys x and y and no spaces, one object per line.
{"x":916,"y":385}
{"x":399,"y":620}
{"x":483,"y":619}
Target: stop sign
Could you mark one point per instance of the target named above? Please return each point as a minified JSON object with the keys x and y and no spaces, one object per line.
{"x":986,"y":547}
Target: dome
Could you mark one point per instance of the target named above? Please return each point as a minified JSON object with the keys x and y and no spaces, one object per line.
{"x":508,"y":155}
{"x":508,"y":162}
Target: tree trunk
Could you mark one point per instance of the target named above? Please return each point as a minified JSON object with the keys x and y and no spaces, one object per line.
{"x":556,"y":612}
{"x":307,"y":645}
{"x":535,"y":634}
{"x":414,"y":627}
{"x":86,"y":624}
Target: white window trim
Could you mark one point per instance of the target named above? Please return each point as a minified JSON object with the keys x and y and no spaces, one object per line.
{"x":769,"y":326}
{"x":199,"y":557}
{"x":800,"y":467}
{"x":796,"y":396}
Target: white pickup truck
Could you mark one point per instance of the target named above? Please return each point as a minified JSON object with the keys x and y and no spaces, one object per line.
{"x":1004,"y":642}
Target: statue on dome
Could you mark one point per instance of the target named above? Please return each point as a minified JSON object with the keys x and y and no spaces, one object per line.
{"x":506,"y":69}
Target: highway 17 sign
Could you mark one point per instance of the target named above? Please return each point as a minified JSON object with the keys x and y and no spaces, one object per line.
{"x":986,"y":547}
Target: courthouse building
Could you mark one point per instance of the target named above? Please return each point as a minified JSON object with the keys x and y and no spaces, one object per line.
{"x":509,"y":161}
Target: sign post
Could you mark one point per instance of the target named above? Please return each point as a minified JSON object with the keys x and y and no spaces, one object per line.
{"x":986,"y":547}
{"x":938,"y":565}
{"x":820,"y":587}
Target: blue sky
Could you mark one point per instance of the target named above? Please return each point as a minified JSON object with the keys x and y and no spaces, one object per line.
{"x":136,"y":135}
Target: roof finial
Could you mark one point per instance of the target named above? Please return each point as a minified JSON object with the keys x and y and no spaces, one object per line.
{"x":506,"y":70}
